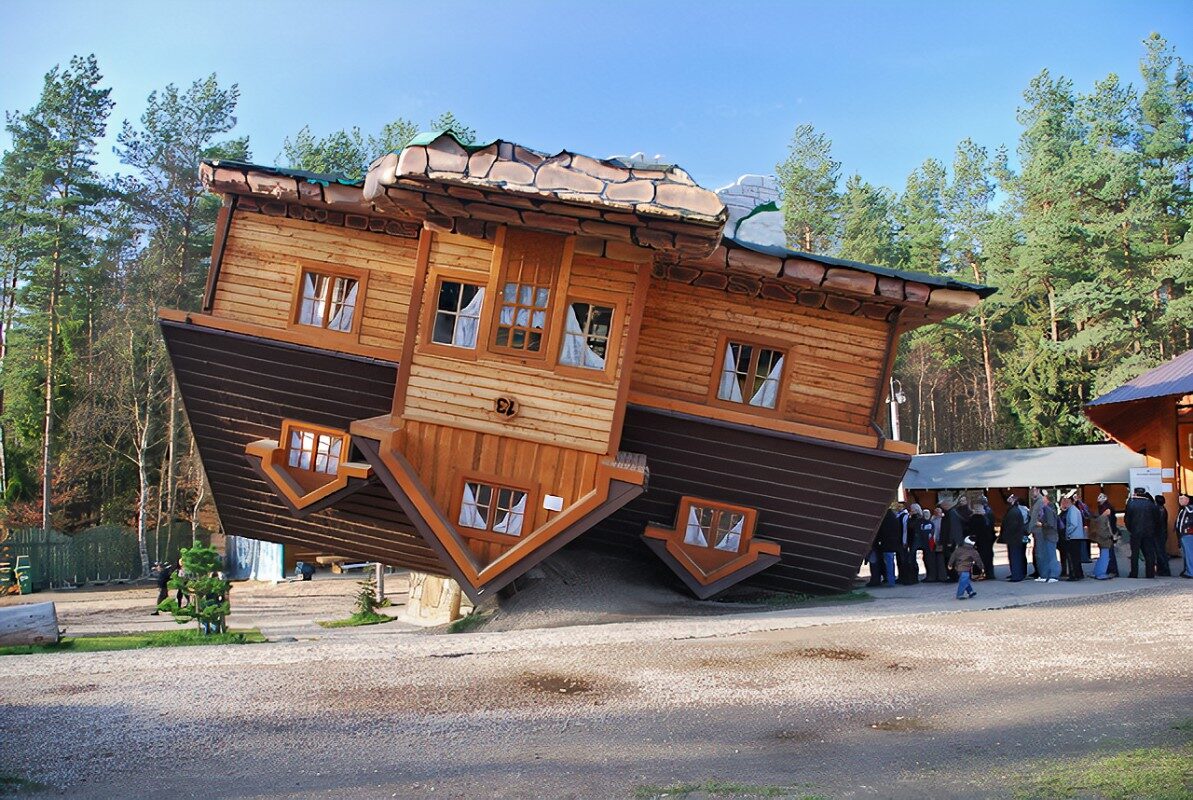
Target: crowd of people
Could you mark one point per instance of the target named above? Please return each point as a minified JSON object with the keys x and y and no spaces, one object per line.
{"x":955,"y":542}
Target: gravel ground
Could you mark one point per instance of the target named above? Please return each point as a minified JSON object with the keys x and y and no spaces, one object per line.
{"x":913,"y":695}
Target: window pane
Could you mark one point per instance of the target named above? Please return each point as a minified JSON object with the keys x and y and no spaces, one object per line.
{"x":443,"y":328}
{"x":729,"y":530}
{"x":699,"y":523}
{"x":524,"y":297}
{"x":473,"y":512}
{"x":343,"y":304}
{"x":540,"y":298}
{"x":511,"y":509}
{"x":449,"y":296}
{"x":314,"y":299}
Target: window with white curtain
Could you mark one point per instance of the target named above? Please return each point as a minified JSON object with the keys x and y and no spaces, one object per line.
{"x":314,"y":451}
{"x":328,"y":301}
{"x":457,"y":314}
{"x":714,"y":527}
{"x":586,"y":335}
{"x":750,"y":374}
{"x":488,"y":507}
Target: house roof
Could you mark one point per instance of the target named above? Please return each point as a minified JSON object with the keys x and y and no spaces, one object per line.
{"x":1075,"y":465}
{"x":1173,"y":378}
{"x":907,"y":275}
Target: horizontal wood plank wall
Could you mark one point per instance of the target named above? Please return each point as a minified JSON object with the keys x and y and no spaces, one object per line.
{"x":833,"y":376}
{"x":256,"y":282}
{"x":442,"y":456}
{"x":238,"y":390}
{"x":565,"y":411}
{"x":821,"y":504}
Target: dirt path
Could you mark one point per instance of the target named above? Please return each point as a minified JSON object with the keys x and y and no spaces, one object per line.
{"x":855,"y":703}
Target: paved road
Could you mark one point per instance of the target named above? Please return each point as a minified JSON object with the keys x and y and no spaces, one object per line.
{"x":910,"y":696}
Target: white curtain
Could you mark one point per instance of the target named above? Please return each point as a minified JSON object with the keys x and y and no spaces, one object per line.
{"x":730,"y":389}
{"x":470,"y":516}
{"x":511,"y":523}
{"x":468,"y":321}
{"x":694,"y":533}
{"x":341,"y":319}
{"x":732,"y":540}
{"x":768,"y":395}
{"x":314,"y":295}
{"x":576,"y":352}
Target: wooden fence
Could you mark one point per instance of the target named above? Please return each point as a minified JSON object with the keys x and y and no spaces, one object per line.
{"x":105,"y":553}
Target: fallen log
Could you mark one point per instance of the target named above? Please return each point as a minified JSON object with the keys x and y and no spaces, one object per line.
{"x":30,"y":623}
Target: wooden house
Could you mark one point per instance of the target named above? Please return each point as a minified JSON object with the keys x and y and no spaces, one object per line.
{"x":479,"y":353}
{"x":1153,"y":416}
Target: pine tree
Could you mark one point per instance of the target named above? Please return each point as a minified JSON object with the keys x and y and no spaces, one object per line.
{"x":919,"y":219}
{"x":348,"y":152}
{"x":867,"y":225}
{"x":61,"y":198}
{"x":808,"y":180}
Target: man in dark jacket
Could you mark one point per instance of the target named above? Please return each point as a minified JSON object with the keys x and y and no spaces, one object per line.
{"x":1140,"y":519}
{"x":1161,"y":545}
{"x":162,"y":573}
{"x":952,"y":530}
{"x":890,"y":538}
{"x":1014,"y":526}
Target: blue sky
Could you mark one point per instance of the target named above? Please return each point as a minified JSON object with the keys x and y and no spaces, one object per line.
{"x":715,"y":87}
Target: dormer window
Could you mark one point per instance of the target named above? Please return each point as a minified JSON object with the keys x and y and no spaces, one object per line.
{"x":717,"y":527}
{"x":328,"y":299}
{"x":314,"y":451}
{"x":750,"y":374}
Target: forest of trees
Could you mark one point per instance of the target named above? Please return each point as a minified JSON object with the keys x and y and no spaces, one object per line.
{"x":1084,"y":237}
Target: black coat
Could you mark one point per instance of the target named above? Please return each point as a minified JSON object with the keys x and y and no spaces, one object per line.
{"x":1140,"y":518}
{"x":952,"y":529}
{"x":1161,"y":522}
{"x":979,"y":529}
{"x":890,"y":533}
{"x":1013,"y":526}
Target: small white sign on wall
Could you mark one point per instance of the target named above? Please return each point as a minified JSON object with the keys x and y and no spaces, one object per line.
{"x":553,"y":502}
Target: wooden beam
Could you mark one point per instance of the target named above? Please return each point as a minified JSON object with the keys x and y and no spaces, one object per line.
{"x":223,"y":224}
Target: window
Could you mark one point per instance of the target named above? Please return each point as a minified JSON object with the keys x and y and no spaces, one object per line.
{"x":751,"y":374}
{"x":586,"y":336}
{"x":713,"y":527}
{"x":328,"y":300}
{"x":314,"y":451}
{"x":457,"y":314}
{"x":530,"y":264}
{"x":488,"y":507}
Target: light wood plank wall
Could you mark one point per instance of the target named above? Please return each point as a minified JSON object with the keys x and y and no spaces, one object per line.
{"x":444,"y":455}
{"x":256,"y":282}
{"x":832,"y":379}
{"x":555,"y":409}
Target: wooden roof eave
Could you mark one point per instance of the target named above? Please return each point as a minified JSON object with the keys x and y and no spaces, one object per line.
{"x":811,"y":284}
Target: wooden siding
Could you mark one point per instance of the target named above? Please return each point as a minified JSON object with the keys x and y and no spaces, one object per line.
{"x":836,"y":360}
{"x":821,"y":503}
{"x":237,"y":390}
{"x":555,"y":409}
{"x":443,"y":456}
{"x":256,"y":280}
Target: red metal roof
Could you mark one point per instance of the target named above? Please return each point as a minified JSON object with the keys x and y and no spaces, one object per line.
{"x":1172,"y":378}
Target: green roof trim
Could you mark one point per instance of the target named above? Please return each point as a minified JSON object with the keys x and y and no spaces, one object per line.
{"x":939,"y":281}
{"x":322,"y":178}
{"x":425,"y":138}
{"x":765,"y":207}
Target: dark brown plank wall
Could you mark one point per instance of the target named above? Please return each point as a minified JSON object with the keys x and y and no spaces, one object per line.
{"x":822,"y":503}
{"x":237,"y":389}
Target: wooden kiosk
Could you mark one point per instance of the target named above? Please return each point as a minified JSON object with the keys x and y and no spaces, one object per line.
{"x":1153,"y":415}
{"x":479,"y":353}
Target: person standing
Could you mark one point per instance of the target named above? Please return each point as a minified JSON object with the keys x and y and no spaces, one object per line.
{"x":925,"y":543}
{"x":163,"y":571}
{"x":1037,"y":501}
{"x":965,"y":561}
{"x":1013,"y":535}
{"x":908,"y":572}
{"x":1184,"y":532}
{"x":1045,"y":535}
{"x":1105,"y":509}
{"x":1161,"y":547}
{"x":1140,"y":519}
{"x":978,"y":529}
{"x":1101,"y":532}
{"x":942,"y":573}
{"x":953,"y":530}
{"x":874,"y":559}
{"x":1075,"y":536}
{"x":889,"y":537}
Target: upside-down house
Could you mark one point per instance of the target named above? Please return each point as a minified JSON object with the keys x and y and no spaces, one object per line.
{"x":478,"y":354}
